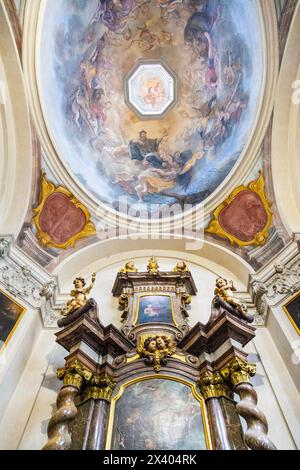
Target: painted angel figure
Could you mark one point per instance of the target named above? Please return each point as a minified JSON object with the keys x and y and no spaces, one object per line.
{"x":79,"y":295}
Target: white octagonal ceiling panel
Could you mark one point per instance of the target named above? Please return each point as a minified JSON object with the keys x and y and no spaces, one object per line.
{"x":151,"y":90}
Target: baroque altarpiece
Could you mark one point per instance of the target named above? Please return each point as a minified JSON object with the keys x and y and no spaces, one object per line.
{"x":156,"y":383}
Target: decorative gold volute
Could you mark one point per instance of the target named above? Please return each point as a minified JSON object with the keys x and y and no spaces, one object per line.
{"x":74,"y":374}
{"x":212,"y":385}
{"x":238,"y":371}
{"x":100,"y":387}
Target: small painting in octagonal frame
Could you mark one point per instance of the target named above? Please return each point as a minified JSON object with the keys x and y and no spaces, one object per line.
{"x":154,"y":308}
{"x":292,"y":309}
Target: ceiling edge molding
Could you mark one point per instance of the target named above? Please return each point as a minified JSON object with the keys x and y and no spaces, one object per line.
{"x":17,"y":159}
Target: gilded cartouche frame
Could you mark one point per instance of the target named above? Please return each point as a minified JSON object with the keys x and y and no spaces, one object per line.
{"x":154,"y":294}
{"x":186,"y":382}
{"x":288,"y":313}
{"x":3,"y":347}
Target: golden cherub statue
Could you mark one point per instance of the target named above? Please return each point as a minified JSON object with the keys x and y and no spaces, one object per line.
{"x":152,"y":266}
{"x":129,"y":267}
{"x":181,"y":267}
{"x":79,"y":295}
{"x":225,"y":290}
{"x":156,"y":349}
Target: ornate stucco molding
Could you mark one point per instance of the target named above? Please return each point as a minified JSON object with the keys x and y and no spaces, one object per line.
{"x":27,"y":281}
{"x":273,"y":284}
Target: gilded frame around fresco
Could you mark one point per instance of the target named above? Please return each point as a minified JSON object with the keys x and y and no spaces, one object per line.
{"x":285,"y":309}
{"x":47,"y":189}
{"x":215,"y":228}
{"x":23,"y":311}
{"x":186,"y":382}
{"x":153,"y":294}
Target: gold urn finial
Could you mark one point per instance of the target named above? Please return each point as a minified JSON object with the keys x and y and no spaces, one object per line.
{"x":152,"y":266}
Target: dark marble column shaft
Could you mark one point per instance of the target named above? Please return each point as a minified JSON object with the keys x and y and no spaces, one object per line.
{"x":97,"y":428}
{"x":218,"y":430}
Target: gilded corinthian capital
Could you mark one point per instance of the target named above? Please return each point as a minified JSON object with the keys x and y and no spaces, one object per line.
{"x":100,"y":387}
{"x":238,"y":371}
{"x":74,"y":374}
{"x":212,"y":385}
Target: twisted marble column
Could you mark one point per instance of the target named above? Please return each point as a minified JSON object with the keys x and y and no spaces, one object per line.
{"x":238,"y":372}
{"x":73,"y":375}
{"x":256,"y":435}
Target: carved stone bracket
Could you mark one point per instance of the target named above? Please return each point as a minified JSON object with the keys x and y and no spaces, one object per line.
{"x":274,"y":283}
{"x":238,"y":373}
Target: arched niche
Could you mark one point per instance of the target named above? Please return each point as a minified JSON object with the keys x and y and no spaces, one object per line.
{"x":286,"y":132}
{"x":105,"y":253}
{"x":15,"y":135}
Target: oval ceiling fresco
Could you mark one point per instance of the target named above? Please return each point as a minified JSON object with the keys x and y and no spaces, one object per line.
{"x":154,"y":100}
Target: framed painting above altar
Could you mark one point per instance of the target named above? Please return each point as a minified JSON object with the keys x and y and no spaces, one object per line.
{"x":10,"y":315}
{"x":154,"y":308}
{"x":157,"y":414}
